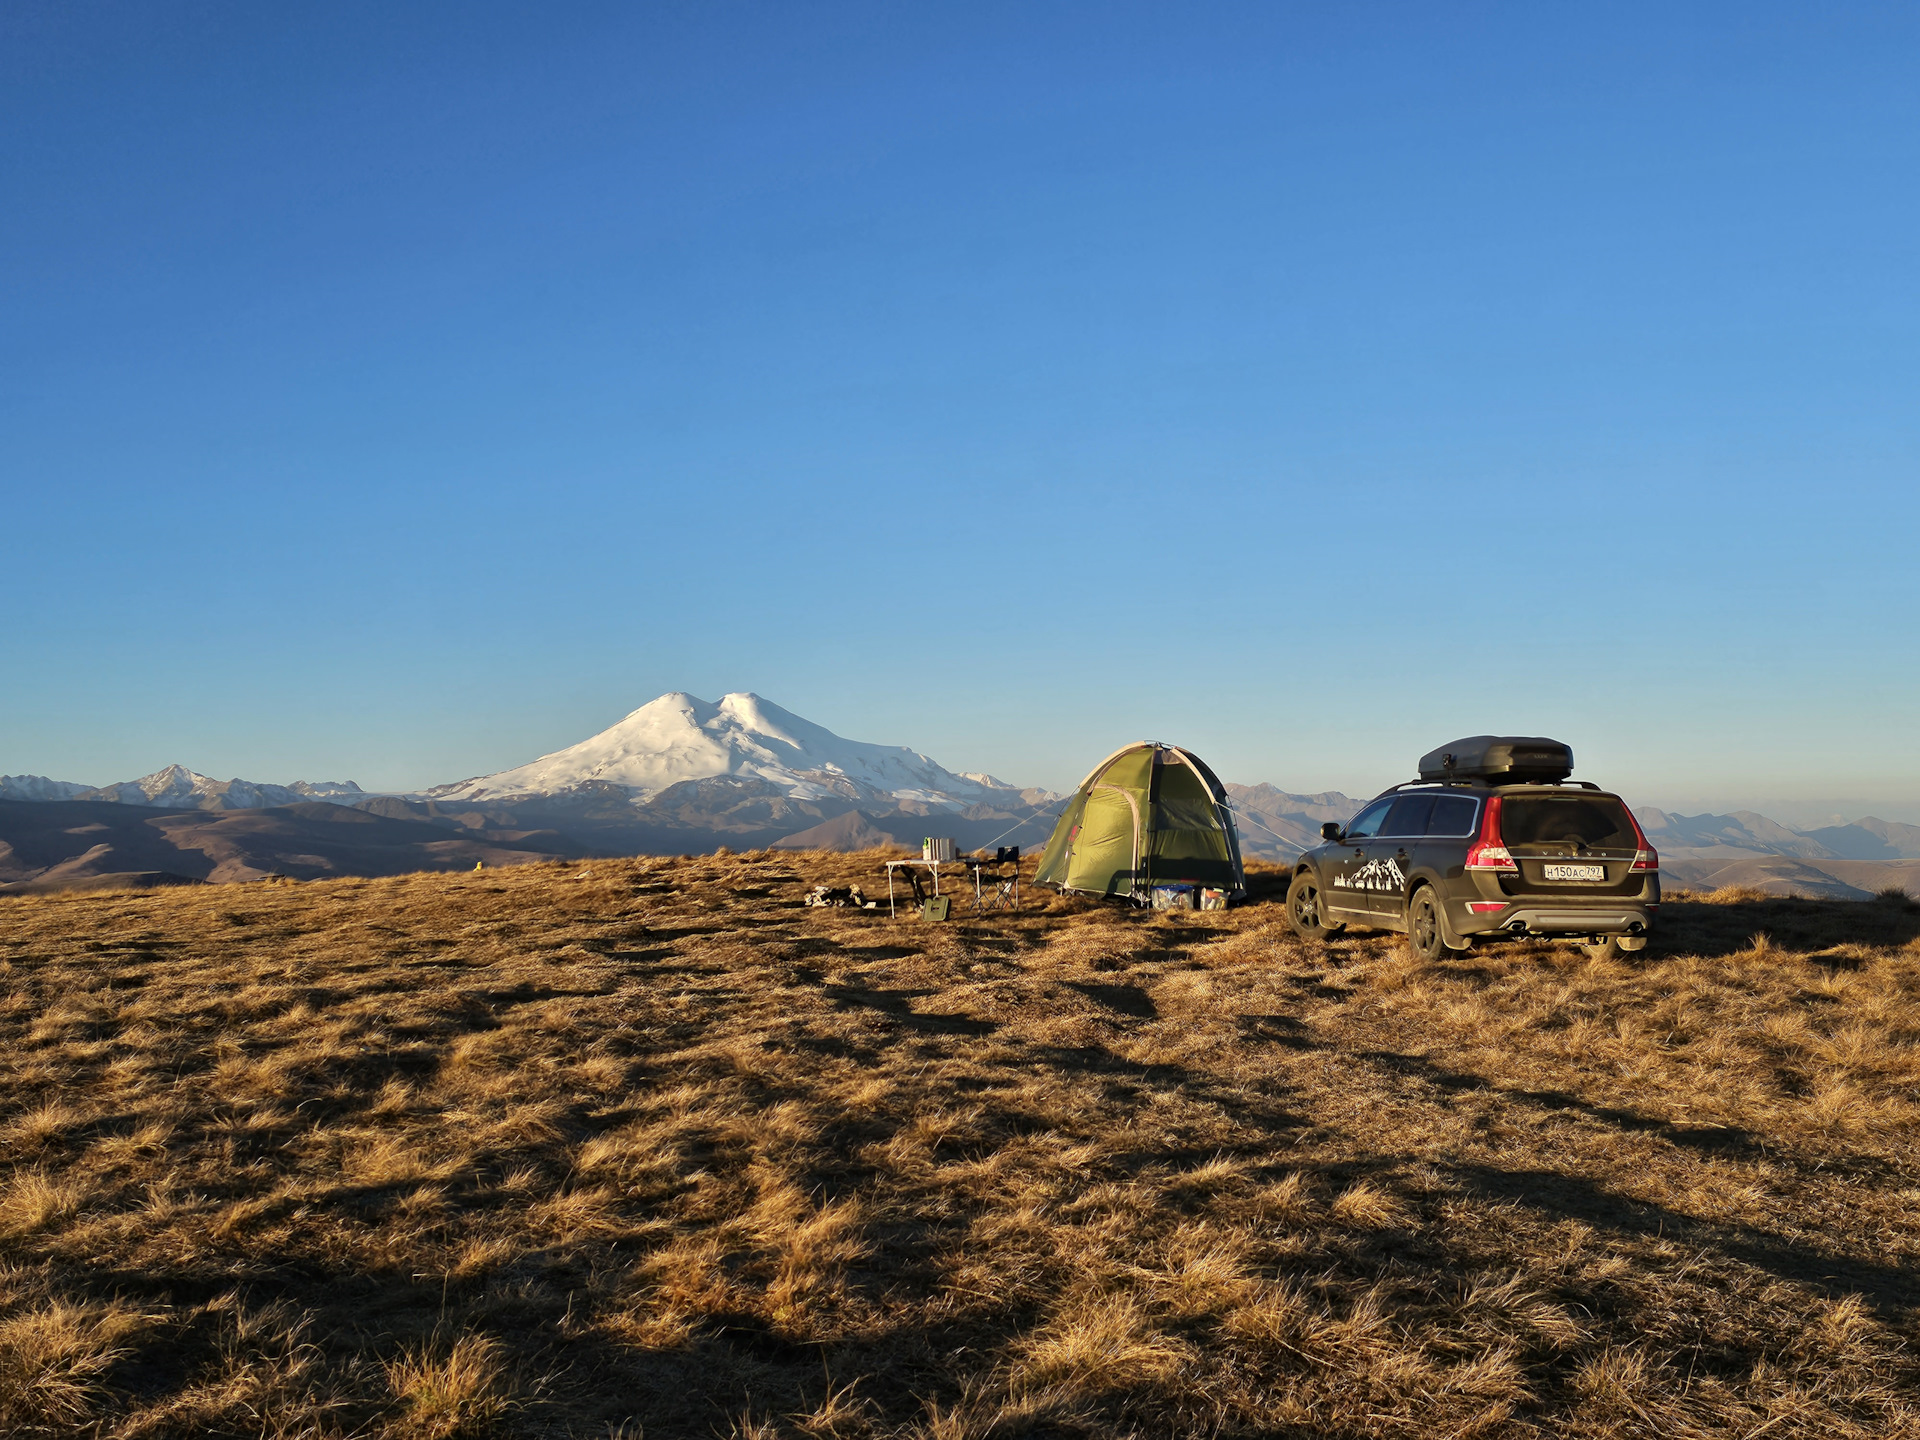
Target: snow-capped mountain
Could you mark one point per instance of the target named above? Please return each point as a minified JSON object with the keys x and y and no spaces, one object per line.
{"x":178,"y":788}
{"x":679,"y":738}
{"x":38,"y":787}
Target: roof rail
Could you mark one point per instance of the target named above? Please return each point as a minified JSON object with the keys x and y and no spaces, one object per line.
{"x":1481,"y":783}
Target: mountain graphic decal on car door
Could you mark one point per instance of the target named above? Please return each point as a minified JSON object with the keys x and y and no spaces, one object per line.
{"x":1381,"y":875}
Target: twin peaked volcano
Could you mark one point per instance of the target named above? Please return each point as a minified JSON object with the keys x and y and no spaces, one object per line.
{"x":677,"y":776}
{"x":681,"y":774}
{"x":678,"y":739}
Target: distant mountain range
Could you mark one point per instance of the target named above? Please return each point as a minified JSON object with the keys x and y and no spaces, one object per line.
{"x":1744,"y":835}
{"x":1841,"y":862}
{"x":678,"y":775}
{"x":682,"y":775}
{"x":178,"y":788}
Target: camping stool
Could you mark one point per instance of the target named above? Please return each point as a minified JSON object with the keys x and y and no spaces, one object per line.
{"x":1005,"y":894}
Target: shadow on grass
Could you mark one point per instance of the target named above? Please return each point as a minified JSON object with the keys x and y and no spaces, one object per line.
{"x":894,"y":1004}
{"x":1710,"y":928}
{"x":1710,"y":1140}
{"x":1268,"y":884}
{"x":1890,"y":1289}
{"x":1121,"y":999}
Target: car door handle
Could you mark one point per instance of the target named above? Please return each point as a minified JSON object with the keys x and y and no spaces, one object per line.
{"x":1400,"y":854}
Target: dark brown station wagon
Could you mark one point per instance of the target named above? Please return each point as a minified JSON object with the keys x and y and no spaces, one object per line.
{"x":1493,"y":839}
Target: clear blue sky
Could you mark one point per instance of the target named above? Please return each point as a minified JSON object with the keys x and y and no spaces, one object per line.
{"x":396,"y":392}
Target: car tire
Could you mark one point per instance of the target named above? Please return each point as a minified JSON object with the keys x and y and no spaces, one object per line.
{"x":1426,"y":932}
{"x":1304,"y":912}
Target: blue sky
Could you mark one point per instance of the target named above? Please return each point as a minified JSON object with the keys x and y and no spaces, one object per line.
{"x":397,"y":392}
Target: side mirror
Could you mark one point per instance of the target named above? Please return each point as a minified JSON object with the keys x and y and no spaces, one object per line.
{"x":1330,"y":831}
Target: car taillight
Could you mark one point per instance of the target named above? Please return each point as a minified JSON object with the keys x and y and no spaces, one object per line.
{"x":1646,"y":857}
{"x":1486,"y":852}
{"x":1486,"y":907}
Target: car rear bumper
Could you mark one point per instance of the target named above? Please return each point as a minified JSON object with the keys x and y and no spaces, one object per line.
{"x":1554,"y":917}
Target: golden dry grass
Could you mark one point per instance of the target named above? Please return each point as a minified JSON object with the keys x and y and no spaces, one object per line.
{"x":646,"y":1148}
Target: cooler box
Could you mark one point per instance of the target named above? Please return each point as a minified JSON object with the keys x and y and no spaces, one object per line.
{"x":1172,"y":897}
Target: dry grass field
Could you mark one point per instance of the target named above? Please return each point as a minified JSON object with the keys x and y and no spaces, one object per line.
{"x":626,"y":1148}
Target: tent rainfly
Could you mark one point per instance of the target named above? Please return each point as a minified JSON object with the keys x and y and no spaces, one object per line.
{"x":1149,"y":815}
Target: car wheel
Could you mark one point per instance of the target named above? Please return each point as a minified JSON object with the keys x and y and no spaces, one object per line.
{"x":1303,"y":909}
{"x":1607,"y":949}
{"x":1424,"y":931}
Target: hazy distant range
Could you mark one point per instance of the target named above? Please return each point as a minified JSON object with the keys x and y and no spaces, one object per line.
{"x":682,"y":775}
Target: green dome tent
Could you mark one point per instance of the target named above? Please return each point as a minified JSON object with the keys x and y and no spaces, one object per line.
{"x":1148,"y":816}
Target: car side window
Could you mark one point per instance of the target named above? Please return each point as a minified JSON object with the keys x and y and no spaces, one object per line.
{"x":1452,"y":815}
{"x":1408,"y":816}
{"x":1367,"y":823}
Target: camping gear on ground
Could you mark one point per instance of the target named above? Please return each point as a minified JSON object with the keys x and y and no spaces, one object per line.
{"x":1508,"y":759}
{"x":1148,"y":815}
{"x":936,"y":908}
{"x":1173,"y":897}
{"x":933,"y":848}
{"x":838,"y":897}
{"x":1213,"y":898}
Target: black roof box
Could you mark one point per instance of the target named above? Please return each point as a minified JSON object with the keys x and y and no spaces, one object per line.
{"x":1513,"y":759}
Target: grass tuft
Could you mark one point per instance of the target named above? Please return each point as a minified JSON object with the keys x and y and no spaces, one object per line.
{"x":53,"y":1361}
{"x":452,"y":1394}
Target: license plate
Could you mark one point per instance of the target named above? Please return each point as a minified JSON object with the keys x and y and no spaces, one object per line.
{"x":1574,"y":872}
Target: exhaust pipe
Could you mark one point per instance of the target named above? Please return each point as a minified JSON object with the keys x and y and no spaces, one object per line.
{"x":1517,"y":927}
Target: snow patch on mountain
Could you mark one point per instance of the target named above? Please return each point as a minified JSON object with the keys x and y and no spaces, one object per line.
{"x":679,"y":737}
{"x":38,"y":787}
{"x":178,"y":788}
{"x":339,"y":792}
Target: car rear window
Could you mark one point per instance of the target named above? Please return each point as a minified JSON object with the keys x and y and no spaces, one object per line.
{"x":1599,"y":821}
{"x":1452,"y":815}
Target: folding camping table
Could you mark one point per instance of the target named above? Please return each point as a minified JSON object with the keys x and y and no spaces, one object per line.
{"x":1006,"y":895}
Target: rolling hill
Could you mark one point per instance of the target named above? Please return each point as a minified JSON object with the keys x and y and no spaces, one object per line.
{"x":90,"y":844}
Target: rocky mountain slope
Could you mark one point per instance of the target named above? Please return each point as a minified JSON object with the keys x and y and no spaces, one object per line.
{"x":1275,"y":824}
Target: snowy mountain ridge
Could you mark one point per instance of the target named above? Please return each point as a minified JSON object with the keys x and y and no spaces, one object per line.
{"x":679,"y":738}
{"x":38,"y":787}
{"x":177,"y":788}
